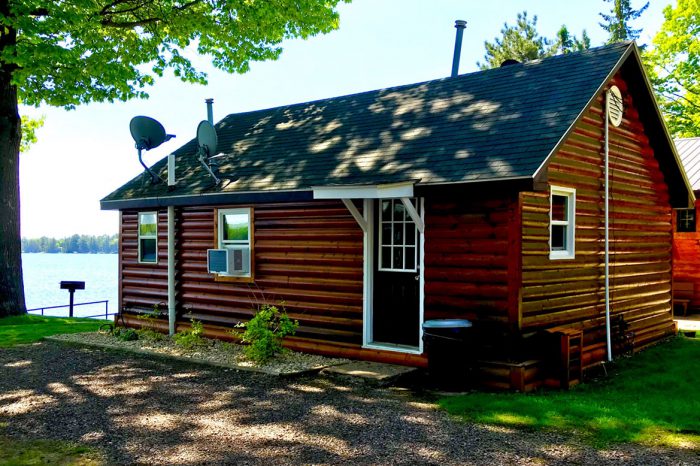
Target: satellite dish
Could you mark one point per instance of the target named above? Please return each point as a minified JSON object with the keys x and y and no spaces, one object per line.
{"x":207,"y":141}
{"x":614,"y":105}
{"x":148,"y":134}
{"x":206,"y":138}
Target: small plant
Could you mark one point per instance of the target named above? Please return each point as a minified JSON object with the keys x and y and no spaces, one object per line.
{"x":192,"y":338}
{"x":125,"y":334}
{"x":265,"y":331}
{"x":147,"y":331}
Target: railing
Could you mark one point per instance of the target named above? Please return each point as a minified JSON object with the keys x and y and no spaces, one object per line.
{"x":106,"y":313}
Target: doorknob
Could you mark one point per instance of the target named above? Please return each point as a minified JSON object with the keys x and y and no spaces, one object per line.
{"x":417,"y":277}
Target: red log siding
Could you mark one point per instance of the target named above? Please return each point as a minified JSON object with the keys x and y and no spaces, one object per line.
{"x":142,"y":285}
{"x":686,"y":261}
{"x":308,"y":255}
{"x":466,"y":258}
{"x":571,"y":292}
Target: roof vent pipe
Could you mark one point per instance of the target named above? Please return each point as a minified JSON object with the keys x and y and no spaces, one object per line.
{"x":459,"y":25}
{"x":210,"y":110}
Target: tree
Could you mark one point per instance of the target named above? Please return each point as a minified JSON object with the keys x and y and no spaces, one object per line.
{"x":617,"y":22}
{"x":66,"y":53}
{"x":523,"y":43}
{"x":565,"y":42}
{"x":673,"y":64}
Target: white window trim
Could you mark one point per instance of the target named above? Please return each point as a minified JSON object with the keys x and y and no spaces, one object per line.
{"x":220,"y":235}
{"x":139,"y":237}
{"x":570,"y":251}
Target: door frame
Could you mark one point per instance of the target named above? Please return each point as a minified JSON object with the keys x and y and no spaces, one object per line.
{"x":368,"y":282}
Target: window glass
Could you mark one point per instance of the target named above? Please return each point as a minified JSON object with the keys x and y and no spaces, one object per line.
{"x":562,"y":225}
{"x":235,"y":227}
{"x":148,"y":237}
{"x":398,"y":237}
{"x":685,"y":220}
{"x":559,"y":207}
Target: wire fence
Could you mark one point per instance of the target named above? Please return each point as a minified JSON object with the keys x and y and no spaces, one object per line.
{"x":105,"y":314}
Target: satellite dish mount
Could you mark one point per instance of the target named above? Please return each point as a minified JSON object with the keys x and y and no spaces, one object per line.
{"x":207,"y":141}
{"x":148,"y":134}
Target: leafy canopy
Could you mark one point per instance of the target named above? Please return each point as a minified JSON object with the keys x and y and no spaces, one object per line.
{"x":617,"y":22}
{"x":68,"y":53}
{"x":674,"y":67}
{"x":523,"y":43}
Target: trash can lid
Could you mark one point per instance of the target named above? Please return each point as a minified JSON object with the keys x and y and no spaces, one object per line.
{"x":447,"y":323}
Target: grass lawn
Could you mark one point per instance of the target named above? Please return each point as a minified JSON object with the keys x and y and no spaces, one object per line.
{"x":25,"y":452}
{"x":651,"y":398}
{"x":30,"y":328}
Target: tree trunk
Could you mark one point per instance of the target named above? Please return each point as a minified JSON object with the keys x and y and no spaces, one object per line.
{"x":11,"y":283}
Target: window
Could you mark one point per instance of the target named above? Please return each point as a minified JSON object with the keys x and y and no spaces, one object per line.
{"x":562,"y":223}
{"x":398,"y":237}
{"x":148,"y":237}
{"x":685,"y":220}
{"x":234,"y":233}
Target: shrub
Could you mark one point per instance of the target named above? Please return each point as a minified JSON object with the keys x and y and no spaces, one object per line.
{"x":265,"y":331}
{"x":192,"y":338}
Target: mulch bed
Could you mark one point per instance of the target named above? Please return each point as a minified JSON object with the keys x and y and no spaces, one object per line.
{"x":156,"y":411}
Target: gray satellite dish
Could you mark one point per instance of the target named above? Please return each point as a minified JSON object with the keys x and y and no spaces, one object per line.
{"x":148,"y":134}
{"x":207,"y":141}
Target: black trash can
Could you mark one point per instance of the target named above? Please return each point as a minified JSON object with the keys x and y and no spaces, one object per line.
{"x":448,"y":344}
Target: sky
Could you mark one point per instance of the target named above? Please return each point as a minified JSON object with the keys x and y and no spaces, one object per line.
{"x":84,"y":154}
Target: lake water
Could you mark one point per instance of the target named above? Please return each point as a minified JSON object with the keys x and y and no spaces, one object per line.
{"x":44,"y":272}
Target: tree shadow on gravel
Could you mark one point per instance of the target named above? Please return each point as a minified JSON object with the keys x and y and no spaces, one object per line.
{"x":140,"y":410}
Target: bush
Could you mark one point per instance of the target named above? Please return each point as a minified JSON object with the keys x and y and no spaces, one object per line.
{"x":192,"y":338}
{"x":265,"y":331}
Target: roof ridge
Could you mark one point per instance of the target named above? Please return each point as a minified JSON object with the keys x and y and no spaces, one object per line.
{"x":622,"y":44}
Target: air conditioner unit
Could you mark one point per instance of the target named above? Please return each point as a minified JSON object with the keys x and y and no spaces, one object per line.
{"x":230,"y":261}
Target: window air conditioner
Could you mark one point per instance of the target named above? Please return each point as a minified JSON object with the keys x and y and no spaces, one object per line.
{"x":230,"y":261}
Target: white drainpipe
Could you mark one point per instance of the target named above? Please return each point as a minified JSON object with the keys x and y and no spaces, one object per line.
{"x":172,"y":304}
{"x":607,"y":230}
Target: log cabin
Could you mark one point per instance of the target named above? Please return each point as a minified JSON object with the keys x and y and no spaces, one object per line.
{"x":686,"y":236}
{"x":479,"y":197}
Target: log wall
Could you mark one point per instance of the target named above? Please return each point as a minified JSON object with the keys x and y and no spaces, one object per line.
{"x":571,"y":292}
{"x":307,"y":255}
{"x":467,"y":257}
{"x":686,"y":263}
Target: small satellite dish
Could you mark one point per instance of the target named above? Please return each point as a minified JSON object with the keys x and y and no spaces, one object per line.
{"x":206,"y":138}
{"x":148,"y":134}
{"x":207,"y":141}
{"x":614,"y":105}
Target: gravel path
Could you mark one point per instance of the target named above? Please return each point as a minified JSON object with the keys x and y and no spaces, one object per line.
{"x":142,"y":411}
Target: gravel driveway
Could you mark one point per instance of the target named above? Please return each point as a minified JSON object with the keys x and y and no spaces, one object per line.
{"x":160,"y":412}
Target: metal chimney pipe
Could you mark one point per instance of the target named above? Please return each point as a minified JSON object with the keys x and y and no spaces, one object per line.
{"x":210,"y":110}
{"x":459,"y":25}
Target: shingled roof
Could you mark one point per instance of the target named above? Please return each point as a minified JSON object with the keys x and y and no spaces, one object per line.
{"x":498,"y":124}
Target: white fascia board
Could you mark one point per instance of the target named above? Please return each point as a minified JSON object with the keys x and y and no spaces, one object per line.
{"x":379,"y":191}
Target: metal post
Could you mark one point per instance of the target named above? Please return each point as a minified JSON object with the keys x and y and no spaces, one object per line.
{"x":70,"y":308}
{"x":106,"y":310}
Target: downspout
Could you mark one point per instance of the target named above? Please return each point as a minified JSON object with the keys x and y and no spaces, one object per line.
{"x":172,"y":304}
{"x":607,"y":229}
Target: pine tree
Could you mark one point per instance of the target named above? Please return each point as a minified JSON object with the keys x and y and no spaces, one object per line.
{"x":617,"y":22}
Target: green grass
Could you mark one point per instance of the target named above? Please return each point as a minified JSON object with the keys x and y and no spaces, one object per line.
{"x":651,"y":399}
{"x":29,"y":452}
{"x":30,"y":328}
